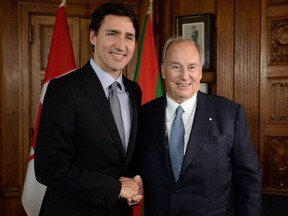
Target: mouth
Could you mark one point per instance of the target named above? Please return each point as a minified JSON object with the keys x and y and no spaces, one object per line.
{"x":183,"y":84}
{"x":118,"y":55}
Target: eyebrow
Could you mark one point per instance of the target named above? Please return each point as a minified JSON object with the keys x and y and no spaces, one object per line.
{"x":173,"y":62}
{"x":118,"y":32}
{"x":130,"y":34}
{"x":112,"y":30}
{"x":177,"y":63}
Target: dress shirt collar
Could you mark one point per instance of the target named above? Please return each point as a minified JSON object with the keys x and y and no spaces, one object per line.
{"x":188,"y":106}
{"x":105,"y":78}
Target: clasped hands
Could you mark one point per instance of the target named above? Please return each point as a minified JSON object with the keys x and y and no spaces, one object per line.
{"x":131,"y":189}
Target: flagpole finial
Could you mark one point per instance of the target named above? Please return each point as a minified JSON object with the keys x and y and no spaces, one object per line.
{"x":64,"y":2}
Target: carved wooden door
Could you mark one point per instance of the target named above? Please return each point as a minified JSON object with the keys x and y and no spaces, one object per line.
{"x":274,"y":96}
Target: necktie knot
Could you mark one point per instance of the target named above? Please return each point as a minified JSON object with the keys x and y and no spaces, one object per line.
{"x":114,"y":86}
{"x":179,"y":111}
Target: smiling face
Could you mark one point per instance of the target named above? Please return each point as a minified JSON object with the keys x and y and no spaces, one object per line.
{"x":182,"y":71}
{"x":114,"y":44}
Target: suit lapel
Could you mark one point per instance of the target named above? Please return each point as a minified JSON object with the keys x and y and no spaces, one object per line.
{"x":159,"y":121}
{"x":134,"y":120}
{"x":203,"y":121}
{"x":158,"y":126}
{"x":97,"y":95}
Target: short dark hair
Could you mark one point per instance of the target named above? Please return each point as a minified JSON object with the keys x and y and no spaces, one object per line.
{"x":113,"y":8}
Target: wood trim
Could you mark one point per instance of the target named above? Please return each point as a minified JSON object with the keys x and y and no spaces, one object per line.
{"x":10,"y":192}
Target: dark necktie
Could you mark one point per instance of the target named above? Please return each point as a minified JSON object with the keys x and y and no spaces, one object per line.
{"x":176,"y":146}
{"x":116,"y":111}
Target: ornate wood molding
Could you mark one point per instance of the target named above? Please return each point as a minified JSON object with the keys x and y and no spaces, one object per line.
{"x":278,"y":101}
{"x":277,"y":162}
{"x":279,"y":41}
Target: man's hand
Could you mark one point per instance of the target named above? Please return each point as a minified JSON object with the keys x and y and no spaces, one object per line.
{"x":131,"y":189}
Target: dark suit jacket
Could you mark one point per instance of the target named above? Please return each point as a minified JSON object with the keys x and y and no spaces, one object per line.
{"x":220,"y":174}
{"x":79,"y":155}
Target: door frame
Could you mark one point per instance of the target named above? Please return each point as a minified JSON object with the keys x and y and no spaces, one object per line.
{"x":26,"y":10}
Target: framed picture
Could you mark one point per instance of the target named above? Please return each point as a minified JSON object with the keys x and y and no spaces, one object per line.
{"x":199,"y":28}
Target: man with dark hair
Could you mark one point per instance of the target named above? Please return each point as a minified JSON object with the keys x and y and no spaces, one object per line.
{"x":84,"y":149}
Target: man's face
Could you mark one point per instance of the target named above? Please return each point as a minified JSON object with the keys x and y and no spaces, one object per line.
{"x":182,"y":71}
{"x":114,"y":44}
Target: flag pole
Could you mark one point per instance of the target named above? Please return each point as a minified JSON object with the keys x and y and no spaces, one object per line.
{"x":150,"y":11}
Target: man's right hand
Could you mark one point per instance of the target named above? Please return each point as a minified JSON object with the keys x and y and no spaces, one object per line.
{"x":131,"y":189}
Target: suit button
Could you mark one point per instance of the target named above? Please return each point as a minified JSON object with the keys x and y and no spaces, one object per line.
{"x":175,"y":191}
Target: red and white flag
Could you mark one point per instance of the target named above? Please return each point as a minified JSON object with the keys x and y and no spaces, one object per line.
{"x":61,"y":61}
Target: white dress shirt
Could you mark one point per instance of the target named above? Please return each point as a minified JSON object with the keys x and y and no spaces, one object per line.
{"x":189,"y":107}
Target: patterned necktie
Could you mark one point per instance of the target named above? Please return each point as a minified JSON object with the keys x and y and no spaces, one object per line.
{"x":176,"y":147}
{"x":116,"y":111}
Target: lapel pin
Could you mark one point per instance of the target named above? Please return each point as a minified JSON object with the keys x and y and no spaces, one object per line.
{"x":210,"y":119}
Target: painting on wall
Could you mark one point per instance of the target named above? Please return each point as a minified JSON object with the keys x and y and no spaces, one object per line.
{"x":199,"y":29}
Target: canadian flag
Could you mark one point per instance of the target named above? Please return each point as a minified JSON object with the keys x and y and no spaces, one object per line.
{"x":61,"y":61}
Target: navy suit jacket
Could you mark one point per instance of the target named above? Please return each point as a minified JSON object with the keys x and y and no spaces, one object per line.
{"x":79,"y":155}
{"x":220,"y":172}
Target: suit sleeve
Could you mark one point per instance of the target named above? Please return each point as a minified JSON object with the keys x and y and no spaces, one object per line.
{"x":246,"y":169}
{"x":56,"y":151}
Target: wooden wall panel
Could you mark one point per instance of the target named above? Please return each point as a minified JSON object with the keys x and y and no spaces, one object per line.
{"x":247,"y":60}
{"x":273,"y":139}
{"x":162,"y":23}
{"x":275,"y":164}
{"x":1,"y":101}
{"x":278,"y":102}
{"x":190,"y":7}
{"x":225,"y":48}
{"x":278,"y":47}
{"x":11,"y":156}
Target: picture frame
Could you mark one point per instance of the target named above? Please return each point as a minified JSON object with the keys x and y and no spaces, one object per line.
{"x":199,"y":28}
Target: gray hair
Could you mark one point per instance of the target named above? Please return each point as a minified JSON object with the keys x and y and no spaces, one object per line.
{"x":173,"y":40}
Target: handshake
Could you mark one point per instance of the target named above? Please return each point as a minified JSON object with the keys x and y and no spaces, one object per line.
{"x":131,"y":189}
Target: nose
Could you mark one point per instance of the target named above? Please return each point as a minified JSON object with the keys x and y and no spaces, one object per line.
{"x":120,"y":44}
{"x":185,"y":74}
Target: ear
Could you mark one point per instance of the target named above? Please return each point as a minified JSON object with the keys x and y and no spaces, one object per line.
{"x":93,"y":37}
{"x":163,"y":71}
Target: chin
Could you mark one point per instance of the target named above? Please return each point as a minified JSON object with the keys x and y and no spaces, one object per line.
{"x":115,"y":69}
{"x":119,"y":66}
